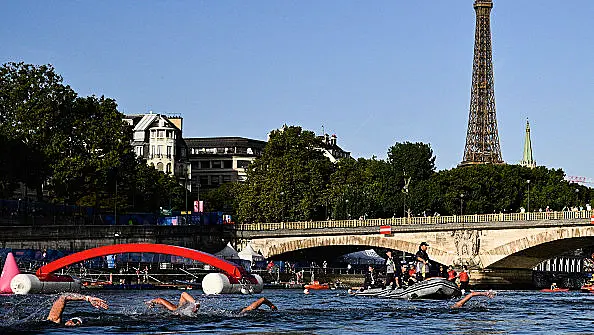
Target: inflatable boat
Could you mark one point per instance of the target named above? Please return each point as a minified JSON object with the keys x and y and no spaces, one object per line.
{"x":431,"y":288}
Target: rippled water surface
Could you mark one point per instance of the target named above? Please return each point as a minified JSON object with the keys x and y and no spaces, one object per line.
{"x":322,"y":312}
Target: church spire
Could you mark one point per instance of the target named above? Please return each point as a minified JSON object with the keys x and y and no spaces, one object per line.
{"x":527,"y":158}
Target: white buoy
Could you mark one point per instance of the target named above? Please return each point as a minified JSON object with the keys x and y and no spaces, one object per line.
{"x":27,"y":283}
{"x":218,"y":283}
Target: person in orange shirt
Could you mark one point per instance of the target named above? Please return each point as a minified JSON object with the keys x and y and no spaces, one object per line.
{"x":464,"y":279}
{"x":452,"y":274}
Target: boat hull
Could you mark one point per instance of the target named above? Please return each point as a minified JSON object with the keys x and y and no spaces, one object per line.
{"x":432,"y":288}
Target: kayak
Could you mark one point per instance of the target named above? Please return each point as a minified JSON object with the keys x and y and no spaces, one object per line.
{"x":554,"y":290}
{"x":588,"y":288}
{"x":431,"y":288}
{"x":317,"y":286}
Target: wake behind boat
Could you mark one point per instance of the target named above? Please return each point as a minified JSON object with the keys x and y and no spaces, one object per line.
{"x":431,"y":288}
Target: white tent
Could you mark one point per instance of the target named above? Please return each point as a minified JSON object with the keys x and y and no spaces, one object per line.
{"x":363,"y":257}
{"x":228,"y":252}
{"x":249,"y":254}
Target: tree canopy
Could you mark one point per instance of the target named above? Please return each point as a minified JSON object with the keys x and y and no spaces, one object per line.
{"x":77,"y":148}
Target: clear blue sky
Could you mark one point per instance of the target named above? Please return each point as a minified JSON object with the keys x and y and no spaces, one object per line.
{"x":372,"y":72}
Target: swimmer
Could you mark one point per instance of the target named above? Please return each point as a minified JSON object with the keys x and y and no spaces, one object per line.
{"x":186,"y":300}
{"x":489,"y":294}
{"x":55,"y":314}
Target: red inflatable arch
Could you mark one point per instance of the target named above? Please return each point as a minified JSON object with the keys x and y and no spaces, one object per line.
{"x":227,"y":267}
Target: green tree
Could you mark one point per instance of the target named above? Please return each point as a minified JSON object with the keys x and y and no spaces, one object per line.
{"x":34,"y":103}
{"x":411,"y":163}
{"x":288,"y":182}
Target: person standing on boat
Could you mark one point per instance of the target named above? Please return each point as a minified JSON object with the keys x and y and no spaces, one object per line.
{"x":370,"y":279}
{"x":452,"y":274}
{"x":422,"y":262}
{"x":392,"y":273}
{"x":464,"y":279}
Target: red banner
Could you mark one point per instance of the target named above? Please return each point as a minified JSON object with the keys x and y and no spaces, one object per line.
{"x":386,"y":230}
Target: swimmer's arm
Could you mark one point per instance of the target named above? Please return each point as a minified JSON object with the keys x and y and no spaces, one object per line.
{"x":162,"y":302}
{"x":464,"y":300}
{"x":55,"y":313}
{"x":256,"y":304}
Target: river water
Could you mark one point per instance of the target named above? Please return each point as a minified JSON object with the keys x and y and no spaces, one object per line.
{"x":321,"y":312}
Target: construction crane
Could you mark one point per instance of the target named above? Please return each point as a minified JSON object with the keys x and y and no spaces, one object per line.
{"x":579,"y":179}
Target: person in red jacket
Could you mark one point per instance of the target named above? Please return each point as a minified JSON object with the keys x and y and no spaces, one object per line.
{"x":452,"y":274}
{"x":464,"y":279}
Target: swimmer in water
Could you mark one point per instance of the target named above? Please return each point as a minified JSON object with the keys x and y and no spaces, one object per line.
{"x":188,"y":303}
{"x":489,"y":294}
{"x":55,"y":313}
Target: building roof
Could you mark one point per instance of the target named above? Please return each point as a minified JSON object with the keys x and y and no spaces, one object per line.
{"x":220,"y":142}
{"x":145,"y":122}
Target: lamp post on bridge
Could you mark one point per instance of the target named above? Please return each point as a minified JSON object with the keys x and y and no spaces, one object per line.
{"x":461,"y":203}
{"x":577,"y":192}
{"x":528,"y":206}
{"x":282,"y":194}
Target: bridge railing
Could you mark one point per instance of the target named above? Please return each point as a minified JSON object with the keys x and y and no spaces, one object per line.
{"x":454,"y":219}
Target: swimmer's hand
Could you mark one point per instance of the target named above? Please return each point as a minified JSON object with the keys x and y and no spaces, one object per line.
{"x":97,"y":303}
{"x":150,"y":303}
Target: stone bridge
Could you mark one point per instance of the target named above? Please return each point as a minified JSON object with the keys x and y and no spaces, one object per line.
{"x":208,"y":238}
{"x":499,"y":252}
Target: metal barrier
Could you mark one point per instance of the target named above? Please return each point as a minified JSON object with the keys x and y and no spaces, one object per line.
{"x":475,"y":218}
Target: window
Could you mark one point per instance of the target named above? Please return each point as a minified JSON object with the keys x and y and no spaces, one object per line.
{"x":139,"y":150}
{"x":242,"y":164}
{"x":168,"y":168}
{"x":161,"y":134}
{"x":169,"y":151}
{"x":216,"y":164}
{"x":226,"y":179}
{"x":204,"y":181}
{"x":227,"y":164}
{"x":214,"y":180}
{"x":205,"y":164}
{"x":153,"y":150}
{"x":160,"y":166}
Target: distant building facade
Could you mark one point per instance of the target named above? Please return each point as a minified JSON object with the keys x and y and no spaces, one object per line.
{"x":218,"y":160}
{"x":158,"y":139}
{"x":331,"y":149}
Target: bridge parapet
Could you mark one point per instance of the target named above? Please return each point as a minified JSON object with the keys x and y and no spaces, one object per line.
{"x":454,"y":219}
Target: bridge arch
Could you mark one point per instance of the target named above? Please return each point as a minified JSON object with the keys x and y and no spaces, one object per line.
{"x":278,"y":248}
{"x":529,"y":251}
{"x":227,"y":267}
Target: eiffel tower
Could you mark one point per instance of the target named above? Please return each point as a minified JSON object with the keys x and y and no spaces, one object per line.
{"x":482,"y":138}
